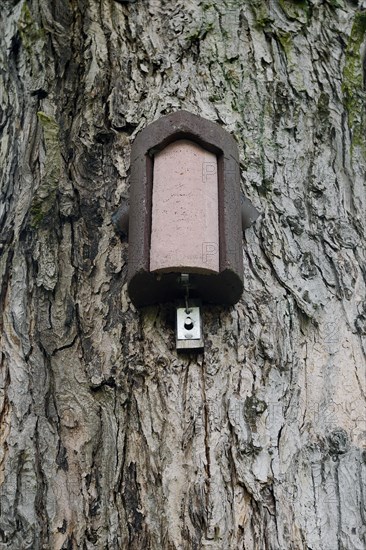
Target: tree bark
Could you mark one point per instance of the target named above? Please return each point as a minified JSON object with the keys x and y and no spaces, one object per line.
{"x":109,"y":439}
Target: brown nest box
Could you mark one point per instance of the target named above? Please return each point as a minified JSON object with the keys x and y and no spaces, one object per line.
{"x":186,"y":213}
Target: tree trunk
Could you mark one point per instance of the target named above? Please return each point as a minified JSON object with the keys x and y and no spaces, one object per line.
{"x":109,"y":439}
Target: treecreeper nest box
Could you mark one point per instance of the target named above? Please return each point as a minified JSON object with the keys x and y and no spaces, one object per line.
{"x":186,"y":213}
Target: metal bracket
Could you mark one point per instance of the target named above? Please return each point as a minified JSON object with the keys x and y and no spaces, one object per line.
{"x":120,"y":219}
{"x":189,"y":326}
{"x":249,"y":213}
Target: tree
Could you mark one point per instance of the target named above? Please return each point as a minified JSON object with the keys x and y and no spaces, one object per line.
{"x":109,"y":439}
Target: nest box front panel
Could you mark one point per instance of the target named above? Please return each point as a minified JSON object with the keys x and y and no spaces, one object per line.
{"x":185,"y":221}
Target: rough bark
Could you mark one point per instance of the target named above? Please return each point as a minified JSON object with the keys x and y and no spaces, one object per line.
{"x":109,"y":439}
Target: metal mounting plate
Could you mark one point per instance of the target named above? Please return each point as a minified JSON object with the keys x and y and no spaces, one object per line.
{"x":189,"y":327}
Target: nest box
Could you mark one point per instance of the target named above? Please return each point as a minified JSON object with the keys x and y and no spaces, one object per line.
{"x":186,"y":213}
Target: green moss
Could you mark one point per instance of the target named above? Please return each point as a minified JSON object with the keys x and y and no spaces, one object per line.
{"x":261,"y":14}
{"x":29,"y":31}
{"x":263,"y":19}
{"x":336,"y":3}
{"x":296,"y":9}
{"x":49,"y":125}
{"x":37,"y":213}
{"x":45,"y":196}
{"x":352,"y":85}
{"x":286,"y":42}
